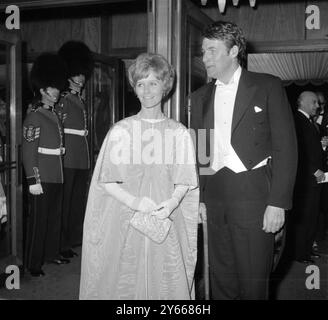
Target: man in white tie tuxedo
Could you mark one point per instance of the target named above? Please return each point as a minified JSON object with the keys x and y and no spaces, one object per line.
{"x":248,"y":182}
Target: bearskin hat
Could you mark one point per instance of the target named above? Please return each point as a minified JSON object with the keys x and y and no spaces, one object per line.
{"x":78,"y":58}
{"x":48,"y":70}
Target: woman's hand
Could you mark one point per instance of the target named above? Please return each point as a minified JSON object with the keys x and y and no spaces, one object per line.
{"x":165,"y":208}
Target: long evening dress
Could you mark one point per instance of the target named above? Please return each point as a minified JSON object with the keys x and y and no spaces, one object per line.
{"x":119,"y":262}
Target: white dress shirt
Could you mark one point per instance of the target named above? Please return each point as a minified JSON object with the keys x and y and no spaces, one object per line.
{"x":306,"y":114}
{"x":224,"y":154}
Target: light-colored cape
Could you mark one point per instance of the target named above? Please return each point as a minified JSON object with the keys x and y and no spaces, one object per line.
{"x":118,"y":262}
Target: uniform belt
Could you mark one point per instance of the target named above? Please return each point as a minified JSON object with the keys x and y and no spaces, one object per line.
{"x":82,"y":133}
{"x":56,"y":152}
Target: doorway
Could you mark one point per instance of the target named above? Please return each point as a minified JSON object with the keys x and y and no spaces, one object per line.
{"x":294,"y":89}
{"x":11,"y":227}
{"x":299,"y":71}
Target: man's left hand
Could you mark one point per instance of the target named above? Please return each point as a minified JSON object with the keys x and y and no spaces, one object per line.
{"x":274,"y":219}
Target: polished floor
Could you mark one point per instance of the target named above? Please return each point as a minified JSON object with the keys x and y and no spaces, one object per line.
{"x":62,"y":282}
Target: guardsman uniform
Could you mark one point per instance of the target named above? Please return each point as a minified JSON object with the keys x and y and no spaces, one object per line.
{"x":42,"y":157}
{"x":43,"y":152}
{"x":73,"y":112}
{"x":74,"y":118}
{"x":76,"y":168}
{"x":43,"y":149}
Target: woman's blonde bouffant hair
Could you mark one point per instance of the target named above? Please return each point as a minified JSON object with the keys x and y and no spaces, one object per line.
{"x":152,"y":62}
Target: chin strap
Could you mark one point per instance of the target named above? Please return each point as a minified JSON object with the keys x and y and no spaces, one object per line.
{"x":75,"y":86}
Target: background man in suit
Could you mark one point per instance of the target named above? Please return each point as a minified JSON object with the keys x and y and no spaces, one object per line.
{"x":310,"y":171}
{"x":248,"y":183}
{"x":323,"y":123}
{"x":323,"y":111}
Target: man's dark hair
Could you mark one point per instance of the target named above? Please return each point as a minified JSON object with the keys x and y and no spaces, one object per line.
{"x":231,"y":34}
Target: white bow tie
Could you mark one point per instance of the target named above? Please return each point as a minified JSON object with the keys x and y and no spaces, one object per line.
{"x":221,"y":84}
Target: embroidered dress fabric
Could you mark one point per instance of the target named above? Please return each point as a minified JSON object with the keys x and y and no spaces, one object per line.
{"x":118,"y":261}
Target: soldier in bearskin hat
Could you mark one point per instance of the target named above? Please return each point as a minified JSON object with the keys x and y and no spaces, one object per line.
{"x":73,"y":113}
{"x":43,"y":150}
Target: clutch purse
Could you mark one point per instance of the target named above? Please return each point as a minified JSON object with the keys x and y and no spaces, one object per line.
{"x":152,"y":227}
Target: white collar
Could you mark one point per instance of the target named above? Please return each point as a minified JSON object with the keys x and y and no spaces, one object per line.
{"x":234,"y":79}
{"x":306,"y":114}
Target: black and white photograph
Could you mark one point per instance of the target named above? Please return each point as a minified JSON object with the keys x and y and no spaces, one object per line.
{"x":164,"y":155}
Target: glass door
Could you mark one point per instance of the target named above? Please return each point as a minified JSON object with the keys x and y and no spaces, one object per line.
{"x":192,"y":75}
{"x":105,"y":100}
{"x":191,"y":72}
{"x":11,"y":220}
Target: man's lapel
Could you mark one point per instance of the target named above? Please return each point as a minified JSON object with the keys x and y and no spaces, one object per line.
{"x":208,"y":116}
{"x":245,"y":92}
{"x":208,"y":106}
